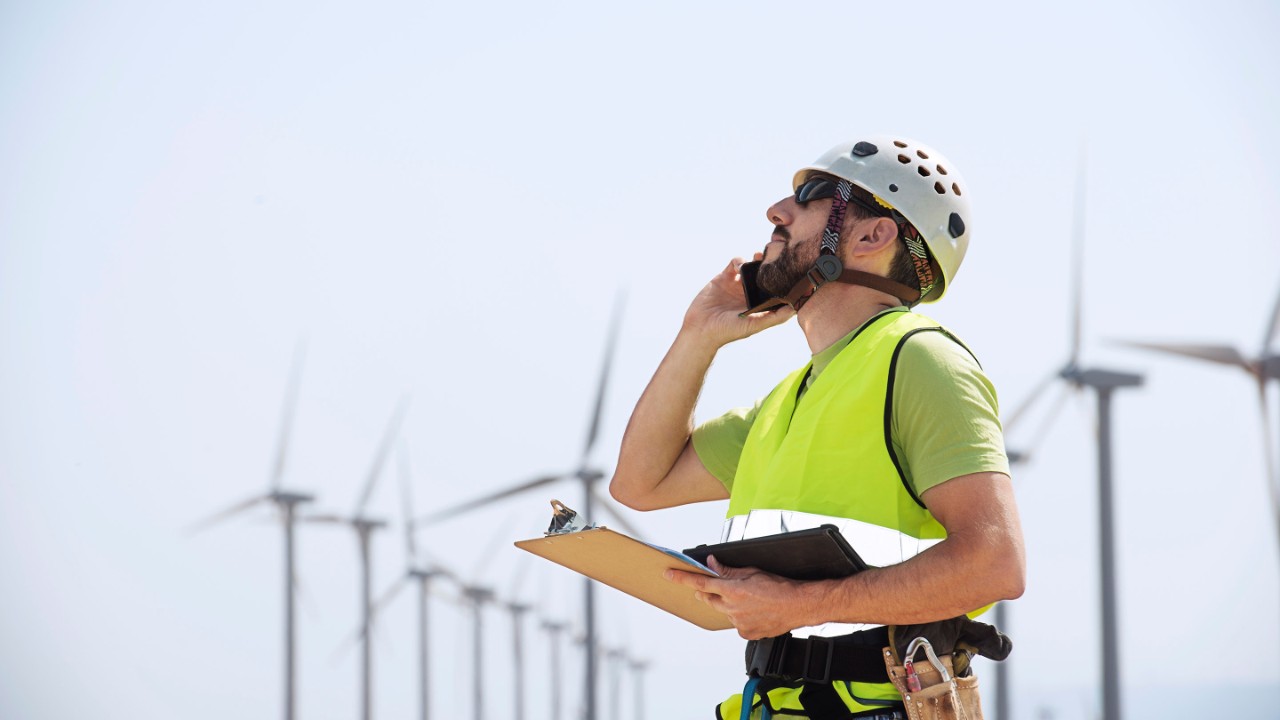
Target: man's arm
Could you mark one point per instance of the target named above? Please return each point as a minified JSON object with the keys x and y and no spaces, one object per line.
{"x":657,"y":465}
{"x":982,"y":560}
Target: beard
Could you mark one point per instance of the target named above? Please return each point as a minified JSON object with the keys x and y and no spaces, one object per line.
{"x":779,"y":275}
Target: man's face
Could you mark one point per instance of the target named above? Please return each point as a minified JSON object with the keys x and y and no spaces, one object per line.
{"x":793,"y":247}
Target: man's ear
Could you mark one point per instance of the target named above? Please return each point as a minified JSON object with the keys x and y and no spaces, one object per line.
{"x":877,"y":236}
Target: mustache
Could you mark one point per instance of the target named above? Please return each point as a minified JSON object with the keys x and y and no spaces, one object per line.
{"x":781,"y":232}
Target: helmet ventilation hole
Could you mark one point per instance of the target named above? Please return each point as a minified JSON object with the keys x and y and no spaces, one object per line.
{"x":893,"y":187}
{"x":924,"y":171}
{"x":939,"y":188}
{"x":899,"y":143}
{"x":956,"y":188}
{"x":922,"y":155}
{"x":904,"y":159}
{"x":942,"y":169}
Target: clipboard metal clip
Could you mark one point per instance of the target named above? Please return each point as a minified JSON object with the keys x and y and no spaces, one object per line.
{"x":564,"y":520}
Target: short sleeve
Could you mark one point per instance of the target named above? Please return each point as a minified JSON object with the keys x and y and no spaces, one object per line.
{"x":719,"y":442}
{"x":945,"y":421}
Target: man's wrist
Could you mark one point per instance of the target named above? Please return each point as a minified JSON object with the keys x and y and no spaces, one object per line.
{"x":696,"y":344}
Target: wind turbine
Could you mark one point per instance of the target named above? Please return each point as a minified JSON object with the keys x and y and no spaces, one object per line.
{"x":416,"y":571}
{"x":638,"y":668}
{"x":479,"y":597}
{"x":1104,"y":383}
{"x":617,"y":660}
{"x":364,"y":527}
{"x":589,"y":476}
{"x":518,"y":610}
{"x":286,"y":503}
{"x":554,"y":629}
{"x":1263,"y":368}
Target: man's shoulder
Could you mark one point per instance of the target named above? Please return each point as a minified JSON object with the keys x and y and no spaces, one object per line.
{"x":935,"y":349}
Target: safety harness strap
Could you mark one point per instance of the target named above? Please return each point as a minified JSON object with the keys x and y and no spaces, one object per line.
{"x":857,"y":657}
{"x":821,"y":702}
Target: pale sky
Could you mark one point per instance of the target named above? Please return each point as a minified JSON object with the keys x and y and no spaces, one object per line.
{"x":444,"y":200}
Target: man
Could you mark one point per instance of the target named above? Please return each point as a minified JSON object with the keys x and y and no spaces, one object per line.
{"x":890,"y":431}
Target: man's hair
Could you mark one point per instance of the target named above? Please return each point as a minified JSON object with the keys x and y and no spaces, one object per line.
{"x":902,"y":268}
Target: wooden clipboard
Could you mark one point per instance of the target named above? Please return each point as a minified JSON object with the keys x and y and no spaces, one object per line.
{"x":634,"y":567}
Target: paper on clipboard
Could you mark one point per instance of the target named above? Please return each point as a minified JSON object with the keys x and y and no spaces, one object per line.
{"x":634,"y":567}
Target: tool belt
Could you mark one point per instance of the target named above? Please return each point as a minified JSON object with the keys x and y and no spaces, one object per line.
{"x":940,"y":687}
{"x":932,"y":691}
{"x":856,"y":657}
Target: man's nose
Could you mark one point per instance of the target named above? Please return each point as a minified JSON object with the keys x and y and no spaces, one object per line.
{"x":783,"y":211}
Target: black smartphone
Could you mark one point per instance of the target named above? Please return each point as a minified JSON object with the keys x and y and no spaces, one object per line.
{"x":758,"y":300}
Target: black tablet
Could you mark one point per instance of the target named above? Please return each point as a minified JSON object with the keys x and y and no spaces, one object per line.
{"x":820,"y":553}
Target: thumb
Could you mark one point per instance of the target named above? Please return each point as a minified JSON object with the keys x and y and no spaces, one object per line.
{"x":721,"y":569}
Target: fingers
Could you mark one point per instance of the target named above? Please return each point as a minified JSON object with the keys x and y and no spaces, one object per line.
{"x":761,"y":321}
{"x":697,"y":581}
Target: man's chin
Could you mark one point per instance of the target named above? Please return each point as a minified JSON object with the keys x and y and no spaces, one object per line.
{"x":771,"y":283}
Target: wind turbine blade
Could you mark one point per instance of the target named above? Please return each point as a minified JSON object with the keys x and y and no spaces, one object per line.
{"x":384,"y":447}
{"x":286,"y":417}
{"x":1273,"y":329}
{"x":406,"y":502}
{"x":1077,"y":254}
{"x":606,"y":504}
{"x":500,"y":540}
{"x":1022,"y":409}
{"x":593,"y":430}
{"x":482,"y":501}
{"x":1222,"y":354}
{"x":324,"y":519}
{"x":1042,"y":430}
{"x":357,"y":635}
{"x":517,"y":579}
{"x":221,"y":515}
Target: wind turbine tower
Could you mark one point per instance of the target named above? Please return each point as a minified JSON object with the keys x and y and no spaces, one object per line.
{"x":1104,"y":383}
{"x":286,"y":503}
{"x":364,"y":527}
{"x":589,"y":476}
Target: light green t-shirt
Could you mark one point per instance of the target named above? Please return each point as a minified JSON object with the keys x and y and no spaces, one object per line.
{"x":945,"y":420}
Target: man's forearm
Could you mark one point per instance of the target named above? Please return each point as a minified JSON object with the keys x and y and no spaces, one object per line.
{"x":982,"y":560}
{"x":955,"y":576}
{"x":662,"y":421}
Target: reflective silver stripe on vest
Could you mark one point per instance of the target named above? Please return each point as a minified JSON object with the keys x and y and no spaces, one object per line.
{"x":877,"y":546}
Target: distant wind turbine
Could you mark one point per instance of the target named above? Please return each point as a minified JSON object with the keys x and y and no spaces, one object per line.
{"x":589,"y":476}
{"x":638,"y":668}
{"x":554,"y":630}
{"x":364,"y":527}
{"x":518,"y":611}
{"x":417,"y":571}
{"x":1104,"y":383}
{"x":1263,"y":368}
{"x":286,"y":503}
{"x":479,"y":597}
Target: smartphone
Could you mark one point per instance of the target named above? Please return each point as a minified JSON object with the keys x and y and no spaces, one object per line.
{"x":758,"y":300}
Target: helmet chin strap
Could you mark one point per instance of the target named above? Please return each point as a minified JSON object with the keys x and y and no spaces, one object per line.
{"x":828,"y":267}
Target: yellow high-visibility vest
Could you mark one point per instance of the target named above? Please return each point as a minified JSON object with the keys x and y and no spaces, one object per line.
{"x":830,"y":455}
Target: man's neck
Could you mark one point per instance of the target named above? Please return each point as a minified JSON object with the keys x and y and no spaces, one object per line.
{"x":838,"y":309}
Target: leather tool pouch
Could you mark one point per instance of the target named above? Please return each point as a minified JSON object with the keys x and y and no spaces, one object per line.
{"x":955,"y":699}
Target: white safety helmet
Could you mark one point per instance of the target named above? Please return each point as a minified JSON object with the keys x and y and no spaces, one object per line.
{"x":916,"y":181}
